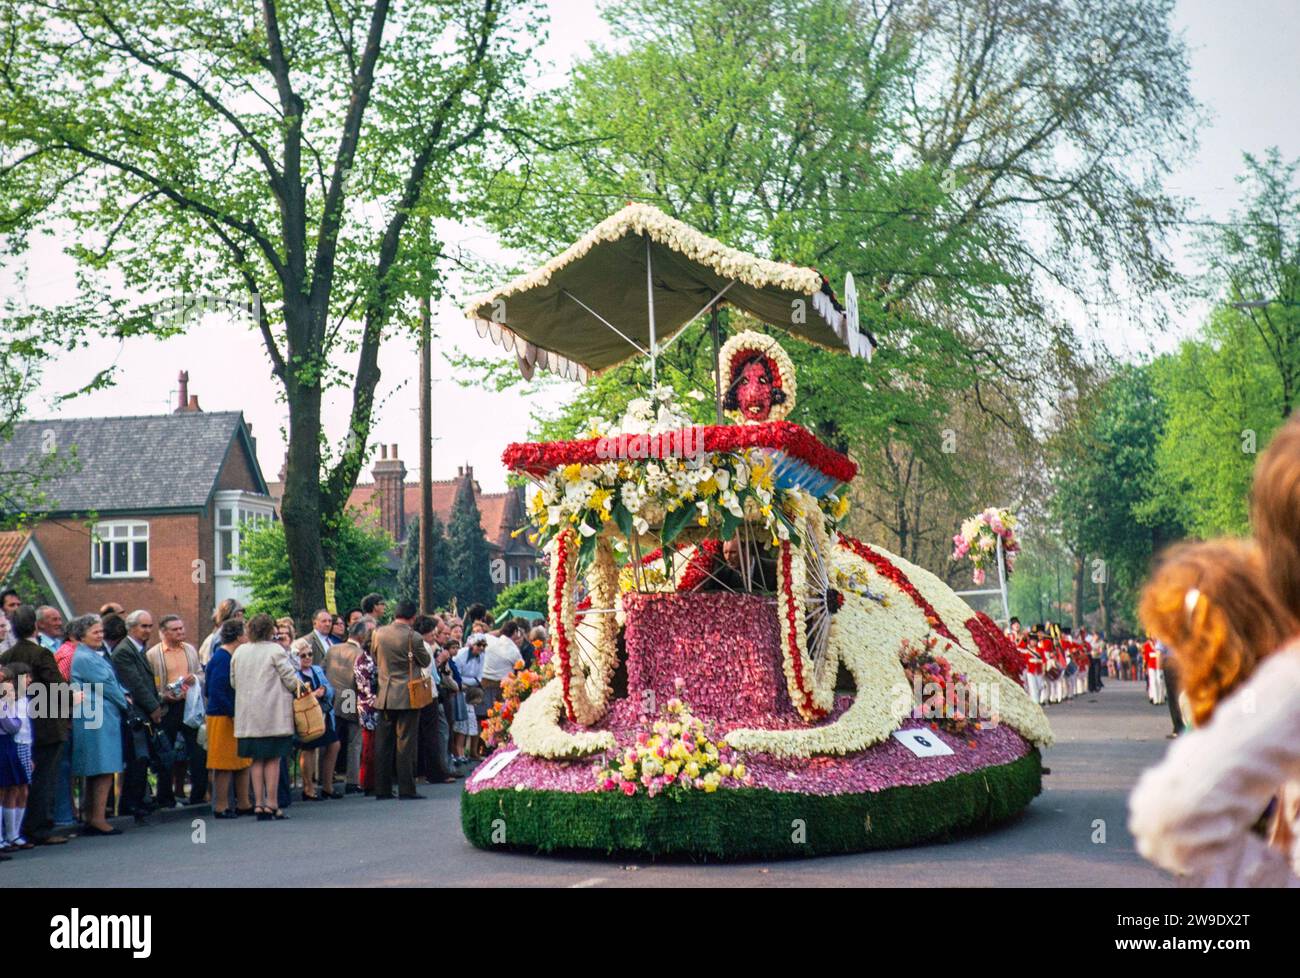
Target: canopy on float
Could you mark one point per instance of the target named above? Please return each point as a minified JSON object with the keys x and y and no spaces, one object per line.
{"x":635,"y":280}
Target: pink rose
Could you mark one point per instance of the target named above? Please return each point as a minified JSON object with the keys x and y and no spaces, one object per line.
{"x":629,"y":788}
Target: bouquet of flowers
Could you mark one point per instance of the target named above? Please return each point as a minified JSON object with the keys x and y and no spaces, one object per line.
{"x":940,"y":694}
{"x":673,"y":753}
{"x":515,"y":688}
{"x":979,"y":537}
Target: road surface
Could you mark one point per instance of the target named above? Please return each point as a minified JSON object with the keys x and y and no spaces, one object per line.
{"x":1072,"y":835}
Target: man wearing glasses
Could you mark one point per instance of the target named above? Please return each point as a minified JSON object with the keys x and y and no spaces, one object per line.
{"x":136,"y":677}
{"x":175,"y":665}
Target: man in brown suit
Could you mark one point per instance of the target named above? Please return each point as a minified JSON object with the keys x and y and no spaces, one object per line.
{"x":50,"y":727}
{"x":399,"y":654}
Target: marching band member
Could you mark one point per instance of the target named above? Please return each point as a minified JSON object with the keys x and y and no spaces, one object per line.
{"x":1155,"y":672}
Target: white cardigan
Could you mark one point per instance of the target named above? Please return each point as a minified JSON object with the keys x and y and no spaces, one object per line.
{"x":1192,"y":813}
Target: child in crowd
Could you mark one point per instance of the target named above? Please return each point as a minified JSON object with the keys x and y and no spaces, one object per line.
{"x":15,"y":755}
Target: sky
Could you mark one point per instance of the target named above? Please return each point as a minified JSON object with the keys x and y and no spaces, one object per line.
{"x":1244,"y":70}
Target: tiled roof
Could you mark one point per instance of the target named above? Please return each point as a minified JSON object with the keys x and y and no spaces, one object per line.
{"x":149,"y":462}
{"x":492,"y":506}
{"x":11,"y":545}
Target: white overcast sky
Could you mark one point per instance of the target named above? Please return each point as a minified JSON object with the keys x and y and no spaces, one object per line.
{"x":1245,"y":70}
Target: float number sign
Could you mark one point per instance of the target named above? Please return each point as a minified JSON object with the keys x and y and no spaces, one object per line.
{"x":922,"y":743}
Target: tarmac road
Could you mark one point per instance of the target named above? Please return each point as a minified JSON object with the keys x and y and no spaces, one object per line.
{"x":1104,"y":741}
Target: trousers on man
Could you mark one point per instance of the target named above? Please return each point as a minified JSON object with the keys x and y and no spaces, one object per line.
{"x":396,"y":745}
{"x":38,"y":823}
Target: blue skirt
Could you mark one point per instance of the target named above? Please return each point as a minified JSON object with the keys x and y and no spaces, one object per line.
{"x":12,"y":772}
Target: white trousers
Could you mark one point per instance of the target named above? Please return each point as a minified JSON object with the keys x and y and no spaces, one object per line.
{"x":1034,"y":686}
{"x":1156,"y":686}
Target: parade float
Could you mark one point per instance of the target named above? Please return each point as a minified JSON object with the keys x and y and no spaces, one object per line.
{"x":731,"y":675}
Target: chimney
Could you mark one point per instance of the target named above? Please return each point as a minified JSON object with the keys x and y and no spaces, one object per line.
{"x":194,"y":403}
{"x":390,"y":492}
{"x":251,"y":440}
{"x":183,"y":399}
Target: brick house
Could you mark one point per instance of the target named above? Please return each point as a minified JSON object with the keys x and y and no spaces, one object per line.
{"x":148,"y":510}
{"x":396,"y":502}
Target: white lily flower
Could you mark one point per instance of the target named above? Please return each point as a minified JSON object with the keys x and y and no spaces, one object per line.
{"x":585,"y":530}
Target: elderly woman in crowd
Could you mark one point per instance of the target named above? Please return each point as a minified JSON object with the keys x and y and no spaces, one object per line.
{"x":97,"y":726}
{"x":324,"y":750}
{"x":265,"y":683}
{"x":367,"y":715}
{"x":228,"y":610}
{"x":223,"y":752}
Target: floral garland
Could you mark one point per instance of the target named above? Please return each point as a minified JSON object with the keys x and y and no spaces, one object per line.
{"x":673,"y":754}
{"x":883,"y":699}
{"x":779,"y":362}
{"x":540,"y":458}
{"x":560,"y":603}
{"x":994,"y":647}
{"x":891,"y":572}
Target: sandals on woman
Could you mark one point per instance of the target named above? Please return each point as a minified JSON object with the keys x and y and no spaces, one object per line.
{"x":263,"y":814}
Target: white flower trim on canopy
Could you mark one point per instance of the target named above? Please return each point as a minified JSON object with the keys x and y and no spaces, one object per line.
{"x":730,"y":263}
{"x":752,"y":341}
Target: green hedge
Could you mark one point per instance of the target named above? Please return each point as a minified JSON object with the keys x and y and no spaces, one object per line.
{"x":748,"y":822}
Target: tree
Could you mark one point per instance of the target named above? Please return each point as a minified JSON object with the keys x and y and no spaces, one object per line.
{"x":524,"y":596}
{"x":1107,"y":494}
{"x":1254,"y":261}
{"x":228,"y":161}
{"x":361,"y":555}
{"x":408,"y":577}
{"x":470,"y":567}
{"x":966,"y":161}
{"x":1220,"y":389}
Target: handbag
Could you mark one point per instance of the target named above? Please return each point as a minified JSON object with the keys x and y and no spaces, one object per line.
{"x":418,"y":688}
{"x":308,"y":717}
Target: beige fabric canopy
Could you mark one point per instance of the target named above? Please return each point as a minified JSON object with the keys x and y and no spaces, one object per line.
{"x":589,"y":308}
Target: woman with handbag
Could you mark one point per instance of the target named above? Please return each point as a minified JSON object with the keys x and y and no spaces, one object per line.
{"x":223,"y":755}
{"x":266,"y":684}
{"x":314,"y":680}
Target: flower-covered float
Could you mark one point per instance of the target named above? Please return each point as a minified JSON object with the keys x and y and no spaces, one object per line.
{"x":732,"y":675}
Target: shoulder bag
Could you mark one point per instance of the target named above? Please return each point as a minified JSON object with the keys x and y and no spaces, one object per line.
{"x":419,"y":688}
{"x":308,"y":718}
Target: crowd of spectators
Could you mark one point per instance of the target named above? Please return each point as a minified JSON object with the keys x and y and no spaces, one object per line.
{"x":101,"y":716}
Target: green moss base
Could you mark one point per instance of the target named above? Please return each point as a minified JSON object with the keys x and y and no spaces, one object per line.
{"x":748,"y":823}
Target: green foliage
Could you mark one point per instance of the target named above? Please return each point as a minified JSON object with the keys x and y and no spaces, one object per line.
{"x":361,"y":566}
{"x":524,"y":596}
{"x":1253,"y":264}
{"x":745,"y":823}
{"x":282,"y":166}
{"x":470,"y":568}
{"x":1221,"y":392}
{"x":408,"y":576}
{"x":1107,"y":498}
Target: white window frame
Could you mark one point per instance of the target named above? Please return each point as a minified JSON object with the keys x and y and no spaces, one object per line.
{"x":106,"y":532}
{"x":243,"y":506}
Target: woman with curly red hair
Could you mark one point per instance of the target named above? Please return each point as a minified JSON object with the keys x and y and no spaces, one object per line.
{"x":1210,"y":604}
{"x":1236,"y":653}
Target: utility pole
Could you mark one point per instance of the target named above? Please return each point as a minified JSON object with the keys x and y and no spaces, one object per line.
{"x":426,"y":450}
